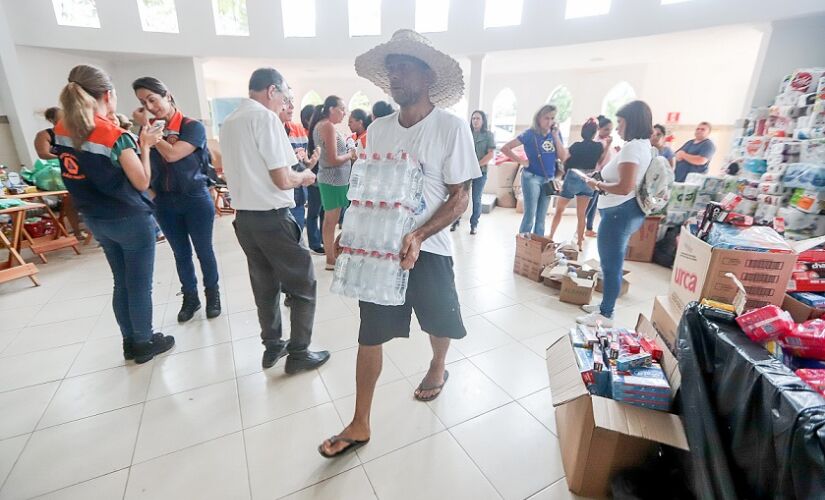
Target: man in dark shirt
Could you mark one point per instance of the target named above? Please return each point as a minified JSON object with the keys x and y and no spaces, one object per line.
{"x":696,"y":154}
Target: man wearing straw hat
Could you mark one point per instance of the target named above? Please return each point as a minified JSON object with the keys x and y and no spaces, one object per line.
{"x":422,"y":81}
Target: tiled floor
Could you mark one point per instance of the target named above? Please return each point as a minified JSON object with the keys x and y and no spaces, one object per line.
{"x":206,"y":422}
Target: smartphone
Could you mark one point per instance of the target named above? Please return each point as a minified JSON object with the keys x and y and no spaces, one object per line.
{"x":159,"y":125}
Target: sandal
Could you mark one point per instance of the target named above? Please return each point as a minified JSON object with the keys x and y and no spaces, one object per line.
{"x":329,"y":267}
{"x":438,"y":387}
{"x":352,"y":445}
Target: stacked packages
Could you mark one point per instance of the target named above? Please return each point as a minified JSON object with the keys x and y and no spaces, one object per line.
{"x":623,"y":365}
{"x":385,"y":192}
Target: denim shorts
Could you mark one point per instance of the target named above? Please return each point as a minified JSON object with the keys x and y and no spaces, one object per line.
{"x":574,"y":186}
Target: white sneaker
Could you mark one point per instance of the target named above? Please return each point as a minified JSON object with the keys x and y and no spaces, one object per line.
{"x":595,"y":319}
{"x":591,"y":308}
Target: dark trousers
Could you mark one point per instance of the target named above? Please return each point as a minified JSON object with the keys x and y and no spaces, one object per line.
{"x":278,"y":261}
{"x":592,"y":208}
{"x":478,"y":190}
{"x":185,"y":217}
{"x":315,"y":217}
{"x":299,"y":212}
{"x":129,"y":245}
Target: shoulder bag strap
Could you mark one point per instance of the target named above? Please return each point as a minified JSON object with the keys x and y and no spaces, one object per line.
{"x":538,"y":152}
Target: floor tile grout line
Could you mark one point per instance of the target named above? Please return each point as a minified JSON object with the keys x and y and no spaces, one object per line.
{"x":137,"y":434}
{"x":240,"y":414}
{"x":40,"y":495}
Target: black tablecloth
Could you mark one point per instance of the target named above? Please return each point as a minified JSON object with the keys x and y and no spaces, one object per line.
{"x":755,"y":429}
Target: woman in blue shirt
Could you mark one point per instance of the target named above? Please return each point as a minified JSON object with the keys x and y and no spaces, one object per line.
{"x":543,"y":146}
{"x":183,"y":204}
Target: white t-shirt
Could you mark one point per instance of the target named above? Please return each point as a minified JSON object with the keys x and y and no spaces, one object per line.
{"x":636,"y":151}
{"x":253,"y":142}
{"x":443,"y":144}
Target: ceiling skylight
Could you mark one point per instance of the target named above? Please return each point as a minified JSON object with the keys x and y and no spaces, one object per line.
{"x":669,"y":2}
{"x":364,"y":17}
{"x":499,"y":13}
{"x":431,"y":15}
{"x":586,"y":8}
{"x":158,"y":15}
{"x":299,"y":18}
{"x":230,"y":17}
{"x":80,"y":13}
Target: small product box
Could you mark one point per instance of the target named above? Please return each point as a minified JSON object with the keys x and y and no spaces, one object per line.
{"x":766,"y":323}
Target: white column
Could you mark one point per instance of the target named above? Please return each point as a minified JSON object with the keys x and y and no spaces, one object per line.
{"x":13,"y":94}
{"x":475,"y":87}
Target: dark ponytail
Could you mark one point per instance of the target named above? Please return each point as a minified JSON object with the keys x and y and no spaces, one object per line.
{"x":360,"y":115}
{"x":604,"y":121}
{"x":321,"y":113}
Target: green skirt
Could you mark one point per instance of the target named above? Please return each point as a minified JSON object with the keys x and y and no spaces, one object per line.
{"x":333,"y":197}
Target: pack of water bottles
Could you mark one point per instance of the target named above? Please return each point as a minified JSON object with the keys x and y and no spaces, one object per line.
{"x":386,"y":193}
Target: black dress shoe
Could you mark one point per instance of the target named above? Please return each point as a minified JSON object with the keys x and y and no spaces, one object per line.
{"x":128,"y":349}
{"x":272,"y":354}
{"x":307,"y":360}
{"x":319,"y":251}
{"x":145,"y":351}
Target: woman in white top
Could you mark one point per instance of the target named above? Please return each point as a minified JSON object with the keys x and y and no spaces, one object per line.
{"x":619,"y":210}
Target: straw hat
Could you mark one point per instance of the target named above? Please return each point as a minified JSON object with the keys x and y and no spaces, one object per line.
{"x":449,"y":79}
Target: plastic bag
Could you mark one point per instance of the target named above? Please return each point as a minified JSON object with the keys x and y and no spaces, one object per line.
{"x":45,"y":175}
{"x":756,"y":238}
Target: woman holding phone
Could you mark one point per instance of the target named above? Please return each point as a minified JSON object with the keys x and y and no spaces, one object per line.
{"x":619,"y":210}
{"x":543,"y":146}
{"x":584,"y":156}
{"x":183,"y":204}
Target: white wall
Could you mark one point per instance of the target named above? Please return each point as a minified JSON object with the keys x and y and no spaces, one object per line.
{"x":793,"y":44}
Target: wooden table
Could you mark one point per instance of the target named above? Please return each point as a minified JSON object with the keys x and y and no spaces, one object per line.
{"x":52,"y":242}
{"x":15,"y":267}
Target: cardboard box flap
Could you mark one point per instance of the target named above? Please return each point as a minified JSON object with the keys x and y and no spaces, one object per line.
{"x":741,"y":294}
{"x":657,"y":426}
{"x":566,"y":382}
{"x":669,"y":363}
{"x":805,"y":245}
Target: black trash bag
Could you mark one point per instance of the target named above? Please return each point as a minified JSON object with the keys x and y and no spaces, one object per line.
{"x":663,"y":475}
{"x":755,"y":430}
{"x":664,"y":253}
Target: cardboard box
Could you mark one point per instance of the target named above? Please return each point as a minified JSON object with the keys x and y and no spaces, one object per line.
{"x":519,"y":205}
{"x":488,"y":203}
{"x":528,"y":261}
{"x":505,"y":197}
{"x":799,"y":311}
{"x":552,"y":276}
{"x":665,"y":318}
{"x":643,"y":242}
{"x":502,"y":176}
{"x":699,"y":273}
{"x":578,"y":290}
{"x":599,"y":436}
{"x":517,"y":180}
{"x":570,"y":252}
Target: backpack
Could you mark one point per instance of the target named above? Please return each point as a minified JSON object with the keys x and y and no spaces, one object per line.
{"x":653,"y":193}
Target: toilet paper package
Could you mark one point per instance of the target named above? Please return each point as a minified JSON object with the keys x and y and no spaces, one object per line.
{"x":808,"y":176}
{"x":747,"y":207}
{"x":765,"y":213}
{"x":796,"y":221}
{"x":682,"y":196}
{"x":812,"y":151}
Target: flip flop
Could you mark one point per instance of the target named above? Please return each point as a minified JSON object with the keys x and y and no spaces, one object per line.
{"x":438,"y":387}
{"x":352,"y":445}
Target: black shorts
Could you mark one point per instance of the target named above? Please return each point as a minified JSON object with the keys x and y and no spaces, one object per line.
{"x":430,"y":293}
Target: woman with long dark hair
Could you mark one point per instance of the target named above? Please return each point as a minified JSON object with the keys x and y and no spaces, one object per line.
{"x":334,"y":168}
{"x":107,"y":179}
{"x":584,"y":156}
{"x":359,"y":120}
{"x":183,"y":205}
{"x":619,"y":210}
{"x":485,"y":145}
{"x":543,"y":146}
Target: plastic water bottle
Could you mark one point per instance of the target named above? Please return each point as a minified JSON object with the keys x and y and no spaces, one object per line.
{"x":352,"y":281}
{"x":372,"y":178}
{"x":341,"y":270}
{"x":378,"y":226}
{"x":356,"y":179}
{"x":351,"y":224}
{"x":370,"y":287}
{"x":395,"y":281}
{"x":414,"y":183}
{"x":399,"y":223}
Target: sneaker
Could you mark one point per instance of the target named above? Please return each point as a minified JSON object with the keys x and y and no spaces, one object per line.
{"x":595,"y":319}
{"x":128,"y":349}
{"x":146,"y":351}
{"x":473,"y":230}
{"x":272,"y":354}
{"x":318,"y":251}
{"x":213,"y":303}
{"x":307,"y":360}
{"x":591,"y":308}
{"x":191,"y":304}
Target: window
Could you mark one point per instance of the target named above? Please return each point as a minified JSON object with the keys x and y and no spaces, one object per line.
{"x":311,"y":97}
{"x":504,"y":116}
{"x":158,"y":15}
{"x":221,"y":108}
{"x":461,"y":109}
{"x":360,"y":101}
{"x":364,"y":17}
{"x":562,"y":99}
{"x":586,"y":8}
{"x":498,"y":13}
{"x":230,"y":17}
{"x":81,"y":13}
{"x":431,"y":15}
{"x":299,"y":18}
{"x":621,"y":94}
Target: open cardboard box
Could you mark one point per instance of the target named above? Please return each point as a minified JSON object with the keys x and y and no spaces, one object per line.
{"x":579,"y":290}
{"x":595,"y":264}
{"x":528,"y":260}
{"x":600,"y":436}
{"x":643,"y":242}
{"x":801,"y":312}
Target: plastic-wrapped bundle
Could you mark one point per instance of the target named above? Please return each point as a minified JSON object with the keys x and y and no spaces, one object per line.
{"x":371,"y":277}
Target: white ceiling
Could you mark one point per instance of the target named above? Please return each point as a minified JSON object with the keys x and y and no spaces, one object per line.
{"x":32,"y":22}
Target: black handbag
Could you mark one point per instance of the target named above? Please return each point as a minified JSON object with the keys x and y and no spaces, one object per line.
{"x":550,"y":188}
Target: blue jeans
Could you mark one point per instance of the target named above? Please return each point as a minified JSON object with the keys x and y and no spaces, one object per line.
{"x":592,"y":207}
{"x":535,"y":203}
{"x":615,"y":229}
{"x":478,"y":189}
{"x":299,"y":212}
{"x":185,"y":217}
{"x":315,"y":217}
{"x":129,"y":246}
